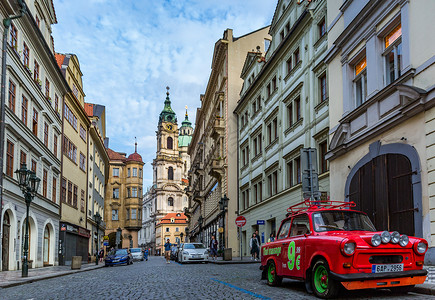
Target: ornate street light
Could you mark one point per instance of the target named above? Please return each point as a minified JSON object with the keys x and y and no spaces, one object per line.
{"x":97,"y":218}
{"x":29,"y":185}
{"x":223,"y":204}
{"x":200,"y":220}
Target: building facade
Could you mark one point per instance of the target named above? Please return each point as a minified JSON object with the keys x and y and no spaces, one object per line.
{"x":171,"y":227}
{"x":213,"y":150}
{"x":283,"y":108}
{"x":74,"y":235}
{"x":382,"y":112}
{"x":170,"y":169}
{"x":33,"y":128}
{"x":147,"y":235}
{"x":123,"y":201}
{"x":98,"y":168}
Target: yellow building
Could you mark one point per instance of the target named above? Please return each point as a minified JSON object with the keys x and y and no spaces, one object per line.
{"x":172,"y":227}
{"x":74,"y":237}
{"x":123,"y":201}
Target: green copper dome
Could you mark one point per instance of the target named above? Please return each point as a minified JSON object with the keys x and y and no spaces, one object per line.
{"x":186,"y":122}
{"x":167,"y":114}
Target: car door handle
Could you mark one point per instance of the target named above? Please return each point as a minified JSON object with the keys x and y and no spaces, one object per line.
{"x":284,"y":244}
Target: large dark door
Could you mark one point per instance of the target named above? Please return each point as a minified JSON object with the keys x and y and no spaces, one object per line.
{"x":5,"y":245}
{"x":383,"y":189}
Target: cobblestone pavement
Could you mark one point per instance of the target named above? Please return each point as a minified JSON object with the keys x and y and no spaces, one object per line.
{"x":155,"y":279}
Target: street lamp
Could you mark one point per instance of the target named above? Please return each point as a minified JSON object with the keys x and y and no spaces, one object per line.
{"x":29,"y":185}
{"x":200,"y":220}
{"x":97,"y":218}
{"x":118,"y":237}
{"x":223,"y":204}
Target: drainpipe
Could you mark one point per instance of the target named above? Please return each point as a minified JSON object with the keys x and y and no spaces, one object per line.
{"x":6,"y":24}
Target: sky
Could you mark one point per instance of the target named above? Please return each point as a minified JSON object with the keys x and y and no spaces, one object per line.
{"x":130,"y":50}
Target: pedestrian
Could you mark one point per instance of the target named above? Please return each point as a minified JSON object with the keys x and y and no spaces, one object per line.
{"x":259,"y":243}
{"x":145,"y":254}
{"x":272,"y":237}
{"x":213,"y":247}
{"x":101,"y":254}
{"x":168,"y":251}
{"x":255,"y":248}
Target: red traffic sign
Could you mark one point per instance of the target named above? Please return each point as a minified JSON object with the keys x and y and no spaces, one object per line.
{"x":240,"y":221}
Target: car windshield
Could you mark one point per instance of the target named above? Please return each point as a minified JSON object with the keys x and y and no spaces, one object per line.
{"x":135,"y":250}
{"x":341,"y":220}
{"x":194,"y":246}
{"x":120,"y":252}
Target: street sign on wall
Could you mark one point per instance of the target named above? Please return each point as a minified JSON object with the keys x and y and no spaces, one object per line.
{"x":260,"y":222}
{"x":240,"y":221}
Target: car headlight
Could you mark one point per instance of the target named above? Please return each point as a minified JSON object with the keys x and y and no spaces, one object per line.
{"x":395,"y":237}
{"x":376,"y":240}
{"x":385,"y":237}
{"x":349,"y":248}
{"x":185,"y":253}
{"x":404,"y":240}
{"x":420,"y":247}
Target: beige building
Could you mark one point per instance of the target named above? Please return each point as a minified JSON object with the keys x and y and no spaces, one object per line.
{"x":382,"y":117}
{"x":171,"y":227}
{"x":74,"y":235}
{"x":123,"y":201}
{"x":283,"y":108}
{"x":213,"y":150}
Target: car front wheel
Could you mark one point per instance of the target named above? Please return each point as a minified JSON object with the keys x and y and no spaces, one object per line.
{"x":323,"y":285}
{"x":272,"y":278}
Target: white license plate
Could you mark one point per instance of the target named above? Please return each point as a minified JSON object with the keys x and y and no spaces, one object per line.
{"x":387,"y":268}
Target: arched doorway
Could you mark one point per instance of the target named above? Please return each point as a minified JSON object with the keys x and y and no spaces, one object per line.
{"x":46,"y":246}
{"x":5,"y":245}
{"x":383,"y":188}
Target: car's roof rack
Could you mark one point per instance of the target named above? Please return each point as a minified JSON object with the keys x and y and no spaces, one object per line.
{"x":309,"y":205}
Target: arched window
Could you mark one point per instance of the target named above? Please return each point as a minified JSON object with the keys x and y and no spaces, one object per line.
{"x":170,"y":201}
{"x":169,"y":143}
{"x":170,"y":173}
{"x":46,"y":245}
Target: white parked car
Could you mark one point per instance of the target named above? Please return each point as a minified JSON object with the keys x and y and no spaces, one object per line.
{"x":193,"y":252}
{"x":136,"y":253}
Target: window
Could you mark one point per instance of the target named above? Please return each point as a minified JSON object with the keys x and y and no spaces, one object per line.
{"x":298,"y":108}
{"x":245,"y":156}
{"x":298,"y":170}
{"x":323,"y":88}
{"x":44,"y":182}
{"x":169,"y":143}
{"x":36,"y":71}
{"x":69,"y":149}
{"x":268,"y":91}
{"x":289,"y":64}
{"x":133,"y":213}
{"x":56,"y":104}
{"x":12,"y":90}
{"x":55,"y":145}
{"x":14,"y":37}
{"x":272,"y":130}
{"x":289,"y":115}
{"x":134,"y":172}
{"x":139,"y":214}
{"x":24,"y":106}
{"x":35,"y":122}
{"x":323,"y":148}
{"x":127,"y":214}
{"x":70,"y":192}
{"x":300,"y":226}
{"x":82,"y":162}
{"x":289,"y":171}
{"x":170,"y":173}
{"x":69,"y":115}
{"x":140,"y":173}
{"x":75,"y":196}
{"x":83,"y":133}
{"x":170,"y":201}
{"x":272,"y":181}
{"x":245,"y":198}
{"x":33,"y":166}
{"x":322,"y":28}
{"x":258,"y":192}
{"x":63,"y":194}
{"x":128,"y":193}
{"x":23,"y":157}
{"x":257,"y":145}
{"x":128,"y":172}
{"x":26,"y":55}
{"x":10,"y":159}
{"x":53,"y":192}
{"x":115,"y":172}
{"x":47,"y":88}
{"x":82,"y":200}
{"x":282,"y":35}
{"x":296,"y":56}
{"x":115,"y":193}
{"x":134,"y":191}
{"x":46,"y":134}
{"x":393,"y":54}
{"x":284,"y":231}
{"x":274,"y":86}
{"x":167,"y":229}
{"x":360,"y":82}
{"x":177,"y":229}
{"x":114,"y":215}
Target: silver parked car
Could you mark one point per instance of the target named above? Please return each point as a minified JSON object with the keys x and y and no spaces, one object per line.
{"x":193,"y":252}
{"x":136,"y":253}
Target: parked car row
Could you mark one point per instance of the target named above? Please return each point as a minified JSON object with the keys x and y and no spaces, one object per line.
{"x":123,"y":256}
{"x":190,"y":252}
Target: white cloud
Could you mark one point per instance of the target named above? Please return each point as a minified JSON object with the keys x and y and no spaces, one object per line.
{"x":129,"y":51}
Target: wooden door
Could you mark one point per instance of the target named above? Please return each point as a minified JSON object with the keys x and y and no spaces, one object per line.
{"x":5,"y":245}
{"x":382,"y":188}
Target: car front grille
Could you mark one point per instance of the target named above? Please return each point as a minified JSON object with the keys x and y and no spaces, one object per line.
{"x":385,"y":259}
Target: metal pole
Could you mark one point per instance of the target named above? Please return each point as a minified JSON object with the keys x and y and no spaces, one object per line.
{"x":240,"y":237}
{"x":25,"y":271}
{"x":97,"y":257}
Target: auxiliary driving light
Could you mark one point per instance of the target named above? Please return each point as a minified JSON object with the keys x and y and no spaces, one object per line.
{"x":395,"y":237}
{"x":376,"y":240}
{"x":385,"y":237}
{"x":404,"y":240}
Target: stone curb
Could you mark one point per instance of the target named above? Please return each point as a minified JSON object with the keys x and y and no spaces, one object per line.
{"x":425,"y":288}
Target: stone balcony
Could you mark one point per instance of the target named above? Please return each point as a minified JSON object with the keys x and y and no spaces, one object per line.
{"x":133,"y":224}
{"x":218,"y":128}
{"x":217,"y":167}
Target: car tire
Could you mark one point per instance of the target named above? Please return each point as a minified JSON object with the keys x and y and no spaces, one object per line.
{"x":321,"y":282}
{"x":402,"y":289}
{"x":272,"y":278}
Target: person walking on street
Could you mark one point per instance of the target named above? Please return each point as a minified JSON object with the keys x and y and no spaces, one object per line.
{"x":213,"y":247}
{"x":145,"y":254}
{"x":168,"y":251}
{"x":101,"y":255}
{"x":253,"y":244}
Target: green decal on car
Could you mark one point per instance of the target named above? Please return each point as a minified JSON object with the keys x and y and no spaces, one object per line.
{"x":292,"y":255}
{"x":272,"y":251}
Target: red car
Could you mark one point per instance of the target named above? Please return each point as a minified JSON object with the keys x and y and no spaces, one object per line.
{"x":328,"y":244}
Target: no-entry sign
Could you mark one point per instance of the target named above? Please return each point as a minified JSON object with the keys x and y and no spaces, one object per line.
{"x":240,"y":221}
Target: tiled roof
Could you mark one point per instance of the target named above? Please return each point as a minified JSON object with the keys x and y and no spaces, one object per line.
{"x":181,"y":219}
{"x":89,"y":109}
{"x":135,"y":157}
{"x":115,"y":155}
{"x":59,"y":59}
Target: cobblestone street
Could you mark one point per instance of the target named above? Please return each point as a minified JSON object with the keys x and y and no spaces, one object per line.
{"x":157,"y":280}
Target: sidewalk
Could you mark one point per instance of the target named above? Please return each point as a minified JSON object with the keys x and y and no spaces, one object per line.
{"x":428,"y":287}
{"x":13,"y":278}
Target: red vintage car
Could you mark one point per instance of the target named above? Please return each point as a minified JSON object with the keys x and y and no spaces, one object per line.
{"x":328,"y":245}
